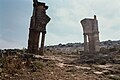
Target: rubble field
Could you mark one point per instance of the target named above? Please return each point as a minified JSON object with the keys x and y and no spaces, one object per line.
{"x":53,"y":66}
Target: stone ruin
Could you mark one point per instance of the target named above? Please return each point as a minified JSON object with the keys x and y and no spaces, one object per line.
{"x":91,"y":35}
{"x":38,"y":24}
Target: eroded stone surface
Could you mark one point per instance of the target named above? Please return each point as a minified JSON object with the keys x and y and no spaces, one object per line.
{"x":91,"y":35}
{"x":38,"y":24}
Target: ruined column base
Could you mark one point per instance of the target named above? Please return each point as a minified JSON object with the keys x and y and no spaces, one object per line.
{"x":40,"y":51}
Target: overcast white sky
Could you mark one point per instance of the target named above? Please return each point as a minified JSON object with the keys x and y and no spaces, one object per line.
{"x":64,"y":26}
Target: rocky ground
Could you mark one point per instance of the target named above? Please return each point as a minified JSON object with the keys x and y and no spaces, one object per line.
{"x":100,"y":66}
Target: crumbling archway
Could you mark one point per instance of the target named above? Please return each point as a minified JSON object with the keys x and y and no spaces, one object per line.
{"x":38,"y":24}
{"x":90,"y":30}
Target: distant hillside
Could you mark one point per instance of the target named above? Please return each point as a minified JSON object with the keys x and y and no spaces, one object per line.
{"x":70,"y":48}
{"x":103,"y":43}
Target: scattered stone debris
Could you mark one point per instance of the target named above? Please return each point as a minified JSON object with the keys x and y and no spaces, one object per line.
{"x":99,"y":58}
{"x":114,"y":77}
{"x":60,"y":66}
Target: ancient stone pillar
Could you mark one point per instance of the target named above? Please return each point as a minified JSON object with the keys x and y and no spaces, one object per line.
{"x":91,"y":43}
{"x":38,"y":24}
{"x":42,"y":42}
{"x":90,"y":29}
{"x":85,"y":43}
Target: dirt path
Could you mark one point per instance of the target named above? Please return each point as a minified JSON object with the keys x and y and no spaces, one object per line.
{"x":60,"y":67}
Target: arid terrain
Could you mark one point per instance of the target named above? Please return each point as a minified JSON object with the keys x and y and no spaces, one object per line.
{"x":61,"y":66}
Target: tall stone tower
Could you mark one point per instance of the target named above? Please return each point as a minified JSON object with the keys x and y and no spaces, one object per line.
{"x":91,"y":35}
{"x":38,"y":24}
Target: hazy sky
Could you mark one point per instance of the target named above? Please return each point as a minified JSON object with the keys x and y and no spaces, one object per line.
{"x":64,"y":26}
